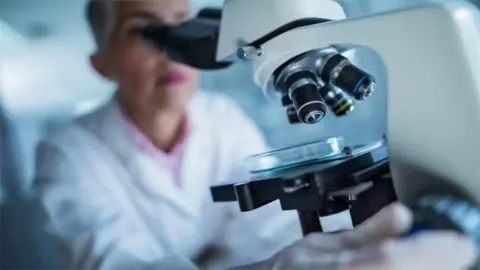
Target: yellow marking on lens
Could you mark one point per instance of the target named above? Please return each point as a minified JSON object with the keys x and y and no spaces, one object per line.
{"x":343,"y":107}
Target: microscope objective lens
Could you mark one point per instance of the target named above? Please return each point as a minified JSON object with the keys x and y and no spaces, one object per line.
{"x":339,"y":71}
{"x":304,"y":93}
{"x":338,"y":101}
{"x":367,"y":89}
{"x":309,"y":105}
{"x":314,"y":117}
{"x":292,"y":115}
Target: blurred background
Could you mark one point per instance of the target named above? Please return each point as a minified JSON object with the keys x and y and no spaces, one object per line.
{"x":45,"y":82}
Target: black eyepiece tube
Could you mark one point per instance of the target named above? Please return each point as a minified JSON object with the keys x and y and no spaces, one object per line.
{"x":156,"y":35}
{"x":192,"y":43}
{"x":210,"y":13}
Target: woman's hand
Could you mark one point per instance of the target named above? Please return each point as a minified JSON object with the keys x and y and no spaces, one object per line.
{"x":376,"y":244}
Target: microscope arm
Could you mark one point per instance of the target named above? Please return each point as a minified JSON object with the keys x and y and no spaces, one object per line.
{"x":428,"y":60}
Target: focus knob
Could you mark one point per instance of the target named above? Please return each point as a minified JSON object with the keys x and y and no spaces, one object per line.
{"x":447,"y":213}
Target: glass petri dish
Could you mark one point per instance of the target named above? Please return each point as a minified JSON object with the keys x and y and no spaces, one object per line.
{"x":299,"y":155}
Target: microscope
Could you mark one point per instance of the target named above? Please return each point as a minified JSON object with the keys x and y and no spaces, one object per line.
{"x":298,"y":54}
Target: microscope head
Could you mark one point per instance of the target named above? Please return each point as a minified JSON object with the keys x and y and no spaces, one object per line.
{"x":309,"y":82}
{"x":252,"y":22}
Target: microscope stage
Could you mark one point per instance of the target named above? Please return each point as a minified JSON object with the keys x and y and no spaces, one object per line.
{"x":333,"y":157}
{"x":351,"y":166}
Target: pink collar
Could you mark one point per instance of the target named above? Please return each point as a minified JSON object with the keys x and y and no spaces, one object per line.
{"x":170,"y":159}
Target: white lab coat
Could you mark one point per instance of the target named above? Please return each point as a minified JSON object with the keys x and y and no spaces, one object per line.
{"x":114,"y":207}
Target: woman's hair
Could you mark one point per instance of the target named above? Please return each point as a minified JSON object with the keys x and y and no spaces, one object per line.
{"x":97,"y":17}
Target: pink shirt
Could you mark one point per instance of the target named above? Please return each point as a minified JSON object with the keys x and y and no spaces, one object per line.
{"x":170,"y":160}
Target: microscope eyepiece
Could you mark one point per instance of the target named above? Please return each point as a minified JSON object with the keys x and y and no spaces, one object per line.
{"x":193,"y":43}
{"x":303,"y":91}
{"x":339,"y":102}
{"x":339,"y":71}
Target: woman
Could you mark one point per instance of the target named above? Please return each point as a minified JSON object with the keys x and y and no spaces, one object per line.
{"x":127,"y":187}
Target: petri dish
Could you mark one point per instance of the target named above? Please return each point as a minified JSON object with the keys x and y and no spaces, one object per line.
{"x":299,"y":155}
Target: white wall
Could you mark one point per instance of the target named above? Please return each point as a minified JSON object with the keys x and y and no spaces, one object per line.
{"x":50,"y":75}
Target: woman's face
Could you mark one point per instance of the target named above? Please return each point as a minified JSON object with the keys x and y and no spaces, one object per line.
{"x":146,"y":77}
